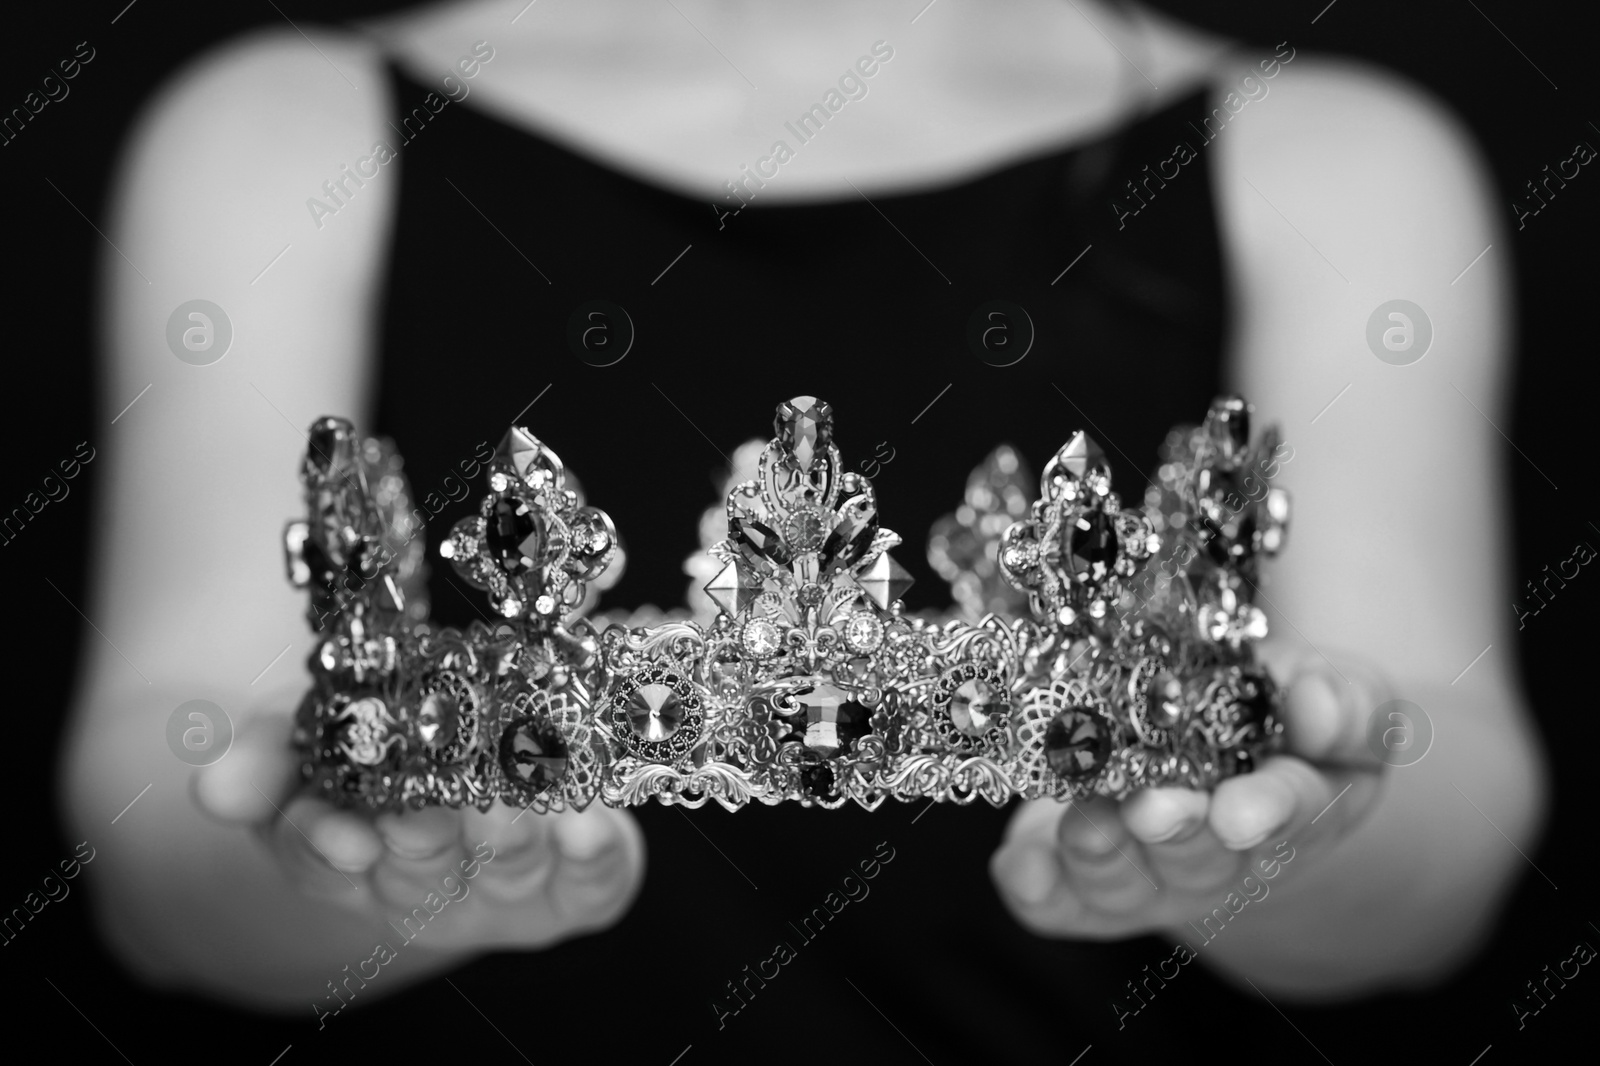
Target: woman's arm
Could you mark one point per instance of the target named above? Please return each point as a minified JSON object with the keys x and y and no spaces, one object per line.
{"x":1340,"y":191}
{"x":188,"y":586}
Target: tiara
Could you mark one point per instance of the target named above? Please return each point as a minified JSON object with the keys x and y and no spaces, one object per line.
{"x":1103,"y":648}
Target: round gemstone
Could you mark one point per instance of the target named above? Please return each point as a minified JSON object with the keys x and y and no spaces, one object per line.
{"x":804,"y":530}
{"x":1166,"y":700}
{"x":544,"y":604}
{"x":976,"y":705}
{"x":436,"y":719}
{"x":1077,"y":743}
{"x":810,"y":595}
{"x":516,"y":536}
{"x":532,"y":754}
{"x":761,"y":638}
{"x":1091,"y":546}
{"x":863,"y":633}
{"x":817,"y":780}
{"x":655,"y":711}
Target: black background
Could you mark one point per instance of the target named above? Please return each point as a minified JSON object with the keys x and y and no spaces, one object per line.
{"x":1524,"y":117}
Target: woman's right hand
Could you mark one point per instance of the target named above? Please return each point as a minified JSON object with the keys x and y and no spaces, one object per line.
{"x":517,"y":879}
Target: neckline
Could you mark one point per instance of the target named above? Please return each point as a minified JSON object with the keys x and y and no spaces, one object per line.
{"x":993,"y":170}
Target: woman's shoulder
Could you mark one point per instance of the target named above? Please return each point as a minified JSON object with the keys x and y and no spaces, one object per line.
{"x":276,"y":98}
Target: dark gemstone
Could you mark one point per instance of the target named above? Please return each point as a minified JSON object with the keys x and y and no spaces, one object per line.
{"x":804,"y":426}
{"x":330,"y":446}
{"x":759,"y":538}
{"x":850,"y":539}
{"x":1254,"y":707}
{"x":1077,"y":743}
{"x":817,"y":780}
{"x":532,"y":754}
{"x":516,"y":536}
{"x":1091,"y":546}
{"x":832,"y":722}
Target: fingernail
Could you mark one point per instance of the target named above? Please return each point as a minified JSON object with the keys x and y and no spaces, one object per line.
{"x":1183,"y":828}
{"x":583,"y":837}
{"x":1030,"y":874}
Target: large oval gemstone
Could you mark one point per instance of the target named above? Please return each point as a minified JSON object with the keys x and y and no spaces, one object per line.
{"x":655,"y":711}
{"x":516,"y":535}
{"x":532,"y":754}
{"x":1077,"y":743}
{"x":1091,"y":546}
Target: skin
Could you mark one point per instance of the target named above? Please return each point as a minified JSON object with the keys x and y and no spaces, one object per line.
{"x":1393,"y":884}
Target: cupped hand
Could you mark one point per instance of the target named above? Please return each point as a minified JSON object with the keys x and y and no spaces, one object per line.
{"x":502,"y":879}
{"x":1100,"y":869}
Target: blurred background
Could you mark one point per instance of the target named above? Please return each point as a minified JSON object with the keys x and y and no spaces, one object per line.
{"x":1522,"y":76}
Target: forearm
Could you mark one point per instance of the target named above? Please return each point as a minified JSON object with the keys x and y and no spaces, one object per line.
{"x":187,"y":902}
{"x":1411,"y":892}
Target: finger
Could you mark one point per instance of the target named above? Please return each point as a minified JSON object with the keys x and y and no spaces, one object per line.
{"x":1197,"y":862}
{"x":1183,"y":853}
{"x":324,"y":849}
{"x":601,"y":868}
{"x":1247,"y":809}
{"x":419,"y":834}
{"x":1099,"y":859}
{"x":1159,"y":815}
{"x":404,"y":883}
{"x":259,"y":771}
{"x":1327,"y":709}
{"x":519,"y":852}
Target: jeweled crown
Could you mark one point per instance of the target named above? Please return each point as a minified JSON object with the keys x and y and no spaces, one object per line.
{"x":1132,"y":666}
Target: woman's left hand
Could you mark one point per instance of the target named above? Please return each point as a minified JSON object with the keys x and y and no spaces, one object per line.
{"x":1100,"y":869}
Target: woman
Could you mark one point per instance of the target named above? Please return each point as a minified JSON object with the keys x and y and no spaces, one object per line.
{"x":1192,"y":202}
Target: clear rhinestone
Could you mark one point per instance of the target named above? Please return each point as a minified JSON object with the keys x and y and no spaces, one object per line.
{"x":975,"y":706}
{"x":761,"y":638}
{"x":655,"y":711}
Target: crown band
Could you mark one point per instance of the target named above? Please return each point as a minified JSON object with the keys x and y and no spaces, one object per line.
{"x":1133,"y":669}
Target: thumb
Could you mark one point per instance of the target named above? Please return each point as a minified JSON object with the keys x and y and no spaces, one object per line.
{"x":259,"y":771}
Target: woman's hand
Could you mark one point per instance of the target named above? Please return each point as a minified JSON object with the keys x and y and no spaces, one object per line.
{"x":516,"y":879}
{"x":1101,"y":870}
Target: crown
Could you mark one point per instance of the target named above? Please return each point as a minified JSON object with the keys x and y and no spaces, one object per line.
{"x":1104,"y":648}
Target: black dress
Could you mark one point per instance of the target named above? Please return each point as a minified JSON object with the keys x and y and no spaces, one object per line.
{"x":502,"y":237}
